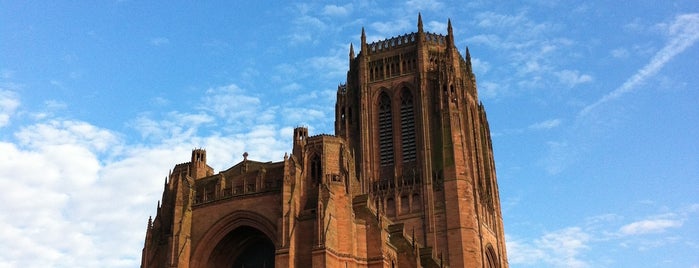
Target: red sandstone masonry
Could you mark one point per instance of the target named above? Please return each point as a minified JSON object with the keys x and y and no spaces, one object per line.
{"x":430,"y":199}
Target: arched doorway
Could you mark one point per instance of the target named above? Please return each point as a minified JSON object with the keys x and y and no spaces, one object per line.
{"x":245,"y":246}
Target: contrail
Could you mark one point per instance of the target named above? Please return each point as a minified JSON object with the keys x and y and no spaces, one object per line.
{"x":684,"y":32}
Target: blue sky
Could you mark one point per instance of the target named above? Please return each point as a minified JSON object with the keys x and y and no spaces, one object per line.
{"x":593,"y":108}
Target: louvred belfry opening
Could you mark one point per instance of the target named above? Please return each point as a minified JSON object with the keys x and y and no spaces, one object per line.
{"x":385,"y":131}
{"x":407,"y":126}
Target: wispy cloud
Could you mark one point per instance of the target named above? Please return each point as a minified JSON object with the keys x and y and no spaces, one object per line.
{"x":175,"y":125}
{"x":649,"y":226}
{"x":572,"y":78}
{"x":567,"y":246}
{"x":231,"y":103}
{"x":543,"y":125}
{"x":335,"y":10}
{"x":558,"y":157}
{"x":436,"y":26}
{"x":9,"y":101}
{"x":683,"y":33}
{"x":421,"y":5}
{"x":534,"y":49}
{"x":561,"y":248}
{"x":390,"y":28}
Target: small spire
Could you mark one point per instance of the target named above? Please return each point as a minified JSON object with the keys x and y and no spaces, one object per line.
{"x":351,"y":53}
{"x":449,"y":30}
{"x":419,"y":22}
{"x":363,"y":37}
{"x":450,"y":35}
{"x":468,"y":58}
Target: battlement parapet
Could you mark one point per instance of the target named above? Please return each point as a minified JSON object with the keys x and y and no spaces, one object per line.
{"x":404,"y":40}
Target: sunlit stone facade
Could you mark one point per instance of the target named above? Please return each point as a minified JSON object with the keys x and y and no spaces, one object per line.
{"x":408,"y":179}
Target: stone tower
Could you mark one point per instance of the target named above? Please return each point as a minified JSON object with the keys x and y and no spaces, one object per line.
{"x":408,"y":179}
{"x":410,"y":113}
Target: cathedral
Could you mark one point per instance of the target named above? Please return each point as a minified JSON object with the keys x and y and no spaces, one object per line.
{"x":407,"y":180}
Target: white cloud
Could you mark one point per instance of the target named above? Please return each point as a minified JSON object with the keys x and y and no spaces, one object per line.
{"x":557,"y":158}
{"x":390,"y":28}
{"x":423,"y":5}
{"x":292,"y":87}
{"x":175,"y":126}
{"x":683,"y":33}
{"x":561,"y":248}
{"x":297,"y":38}
{"x":302,"y":115}
{"x":436,"y":27}
{"x":649,"y":226}
{"x":572,"y":78}
{"x":519,"y":252}
{"x":332,"y":66}
{"x":335,"y":10}
{"x":565,"y":247}
{"x":532,"y":48}
{"x":9,"y":101}
{"x":543,"y":125}
{"x":480,"y":67}
{"x":490,"y":90}
{"x":309,"y":22}
{"x":50,"y":182}
{"x":79,"y":195}
{"x":495,"y":20}
{"x":491,"y":40}
{"x":60,"y":133}
{"x":231,"y":103}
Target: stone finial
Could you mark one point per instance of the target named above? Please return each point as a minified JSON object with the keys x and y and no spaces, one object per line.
{"x":245,"y":156}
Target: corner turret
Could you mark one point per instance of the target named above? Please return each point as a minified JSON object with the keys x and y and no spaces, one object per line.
{"x":300,"y":140}
{"x":199,"y":169}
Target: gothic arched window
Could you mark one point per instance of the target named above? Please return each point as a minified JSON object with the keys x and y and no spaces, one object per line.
{"x":491,"y":260}
{"x":385,"y":131}
{"x":407,"y":126}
